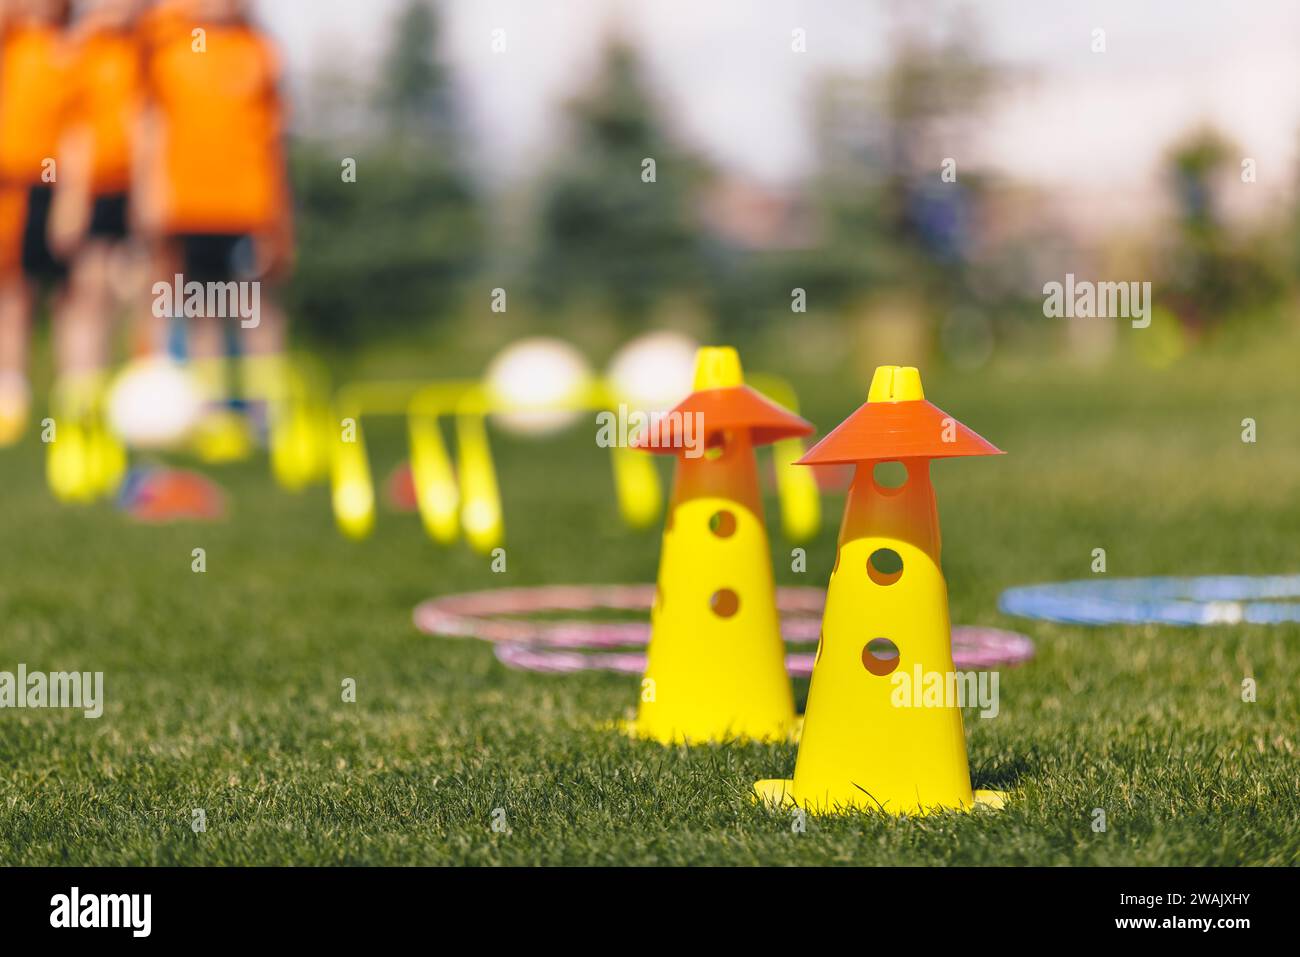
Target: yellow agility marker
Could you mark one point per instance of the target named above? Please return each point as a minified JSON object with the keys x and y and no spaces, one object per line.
{"x":84,"y":460}
{"x":533,"y":388}
{"x":870,"y":740}
{"x":715,"y":664}
{"x":352,"y":490}
{"x":448,"y":498}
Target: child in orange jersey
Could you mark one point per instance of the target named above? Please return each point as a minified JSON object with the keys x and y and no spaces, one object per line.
{"x":218,"y":196}
{"x":90,"y":226}
{"x":33,"y":86}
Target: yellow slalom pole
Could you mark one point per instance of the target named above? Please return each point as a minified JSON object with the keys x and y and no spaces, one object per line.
{"x":480,"y":497}
{"x":317,"y":433}
{"x":290,"y":445}
{"x":636,"y":484}
{"x":352,"y":492}
{"x":434,"y":478}
{"x":801,"y":507}
{"x":273,"y":380}
{"x":293,"y":388}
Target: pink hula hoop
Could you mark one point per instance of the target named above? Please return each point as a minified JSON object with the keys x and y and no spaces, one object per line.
{"x":569,"y":645}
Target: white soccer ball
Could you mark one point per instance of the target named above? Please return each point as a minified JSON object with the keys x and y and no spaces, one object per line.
{"x":153,"y":404}
{"x":654,"y":372}
{"x":530,"y":382}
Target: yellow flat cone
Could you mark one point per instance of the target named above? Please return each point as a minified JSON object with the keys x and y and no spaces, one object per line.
{"x":715,"y":666}
{"x":222,"y":436}
{"x":879,"y":733}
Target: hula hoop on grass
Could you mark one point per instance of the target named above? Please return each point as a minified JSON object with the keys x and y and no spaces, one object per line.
{"x":569,"y":645}
{"x":1207,"y":600}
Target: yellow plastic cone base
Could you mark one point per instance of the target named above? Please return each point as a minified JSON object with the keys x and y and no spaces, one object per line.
{"x":779,"y":793}
{"x":630,"y":728}
{"x":223,"y":436}
{"x":84,"y":461}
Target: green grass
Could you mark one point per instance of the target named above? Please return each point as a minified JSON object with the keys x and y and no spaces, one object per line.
{"x":224,"y":688}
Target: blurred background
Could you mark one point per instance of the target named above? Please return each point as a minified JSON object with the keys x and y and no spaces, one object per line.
{"x":800,"y":152}
{"x":499,"y":145}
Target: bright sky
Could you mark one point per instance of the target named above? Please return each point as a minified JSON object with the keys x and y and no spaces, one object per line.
{"x":1086,"y":122}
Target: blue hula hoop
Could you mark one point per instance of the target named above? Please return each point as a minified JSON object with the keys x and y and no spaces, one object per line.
{"x":1207,"y":600}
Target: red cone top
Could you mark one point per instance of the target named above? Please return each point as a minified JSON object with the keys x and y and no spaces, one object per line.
{"x":722,"y":403}
{"x":897,"y":423}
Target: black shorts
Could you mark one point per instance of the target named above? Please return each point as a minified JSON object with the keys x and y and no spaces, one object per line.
{"x":39,"y":262}
{"x":216,"y":257}
{"x":108,"y":219}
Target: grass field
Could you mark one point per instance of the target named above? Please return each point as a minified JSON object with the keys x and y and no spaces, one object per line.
{"x":223,"y":688}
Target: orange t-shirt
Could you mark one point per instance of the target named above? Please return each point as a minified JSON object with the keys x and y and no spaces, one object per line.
{"x":221,"y":160}
{"x":105,"y":100}
{"x":34,"y":65}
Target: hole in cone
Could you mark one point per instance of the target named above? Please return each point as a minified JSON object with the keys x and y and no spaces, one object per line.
{"x":724,"y":603}
{"x":716,"y":445}
{"x":889,"y":476}
{"x":885,"y":566}
{"x":722,"y":523}
{"x":880,"y":656}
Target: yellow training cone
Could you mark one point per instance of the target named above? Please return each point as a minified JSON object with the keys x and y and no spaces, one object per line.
{"x":870,"y":738}
{"x":716,"y":663}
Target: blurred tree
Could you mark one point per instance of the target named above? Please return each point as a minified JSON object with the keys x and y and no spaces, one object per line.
{"x":898,"y":217}
{"x":414,"y":92}
{"x":605,"y":232}
{"x":888,"y":186}
{"x":1213,"y":274}
{"x":396,"y":245}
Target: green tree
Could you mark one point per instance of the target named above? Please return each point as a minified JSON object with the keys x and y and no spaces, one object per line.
{"x":413,"y":94}
{"x":396,"y":245}
{"x":606,"y":231}
{"x":1213,"y":273}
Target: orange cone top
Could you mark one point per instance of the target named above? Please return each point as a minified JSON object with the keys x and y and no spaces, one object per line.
{"x":723,"y":403}
{"x":897,"y":423}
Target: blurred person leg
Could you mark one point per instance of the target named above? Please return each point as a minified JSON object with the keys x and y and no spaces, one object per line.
{"x":92,"y":225}
{"x":33,"y":74}
{"x":15,"y":392}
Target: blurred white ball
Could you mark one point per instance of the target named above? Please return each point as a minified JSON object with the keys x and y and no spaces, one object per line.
{"x":153,"y":403}
{"x":529,"y":378}
{"x":655,"y":371}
